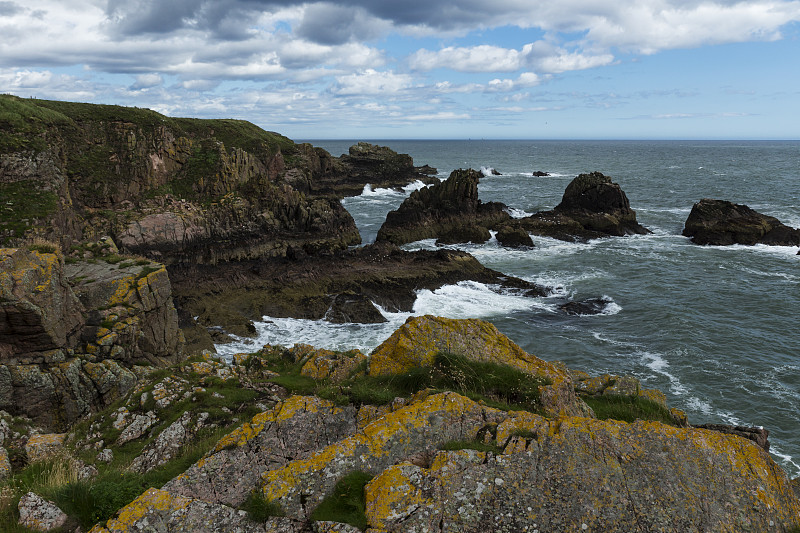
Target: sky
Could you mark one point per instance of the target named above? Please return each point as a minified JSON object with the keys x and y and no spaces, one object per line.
{"x":423,"y":69}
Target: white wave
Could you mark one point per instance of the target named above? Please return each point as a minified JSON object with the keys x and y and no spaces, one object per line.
{"x":611,"y":307}
{"x":471,"y":299}
{"x":660,"y":366}
{"x":786,"y":459}
{"x":487,"y":171}
{"x":787,"y":251}
{"x":517,"y":213}
{"x":415,"y":186}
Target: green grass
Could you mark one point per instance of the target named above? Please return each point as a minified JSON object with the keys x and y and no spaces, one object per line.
{"x":259,"y":508}
{"x":346,"y":503}
{"x":23,"y":203}
{"x":628,"y":408}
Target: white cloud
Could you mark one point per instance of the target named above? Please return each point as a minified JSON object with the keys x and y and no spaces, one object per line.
{"x":371,"y":82}
{"x":482,"y":58}
{"x":147,"y":81}
{"x":442,"y":115}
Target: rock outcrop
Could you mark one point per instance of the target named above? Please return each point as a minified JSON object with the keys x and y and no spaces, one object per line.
{"x":592,"y":207}
{"x":441,"y":209}
{"x":365,"y":163}
{"x":720,"y":222}
{"x":72,"y":335}
{"x":342,"y":285}
{"x":169,"y":189}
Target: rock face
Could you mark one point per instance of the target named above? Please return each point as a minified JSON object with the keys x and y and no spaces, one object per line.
{"x":720,"y":222}
{"x":514,"y":237}
{"x":165,"y":188}
{"x":592,"y":206}
{"x":69,"y":342}
{"x":440,"y":209}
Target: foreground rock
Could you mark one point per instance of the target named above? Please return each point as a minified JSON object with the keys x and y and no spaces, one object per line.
{"x":592,"y":207}
{"x":441,"y":209}
{"x":72,"y":336}
{"x":720,"y":222}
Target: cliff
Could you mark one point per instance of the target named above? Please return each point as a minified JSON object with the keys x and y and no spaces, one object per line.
{"x":420,"y":436}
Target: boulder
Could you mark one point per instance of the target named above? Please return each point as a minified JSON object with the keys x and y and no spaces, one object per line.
{"x":446,"y":206}
{"x":418,"y":341}
{"x":39,"y":514}
{"x":720,"y":222}
{"x":592,"y":207}
{"x":513,"y":237}
{"x":464,"y":234}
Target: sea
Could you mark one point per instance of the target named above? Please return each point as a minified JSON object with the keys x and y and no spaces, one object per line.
{"x":717,"y":329}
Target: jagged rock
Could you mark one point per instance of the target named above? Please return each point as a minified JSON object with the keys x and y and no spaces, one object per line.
{"x":540,"y":174}
{"x":464,"y":234}
{"x":591,"y":306}
{"x":379,"y":273}
{"x":513,"y":237}
{"x":136,"y":427}
{"x":168,"y":443}
{"x":592,"y":207}
{"x":39,"y":314}
{"x":42,"y":447}
{"x":294,"y":429}
{"x":418,"y":341}
{"x":39,"y":514}
{"x":106,"y":455}
{"x":720,"y":222}
{"x":436,"y":210}
{"x":327,"y":364}
{"x":353,"y":307}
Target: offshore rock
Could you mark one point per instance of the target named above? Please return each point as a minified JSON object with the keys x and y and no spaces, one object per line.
{"x":417,"y":342}
{"x":464,"y":234}
{"x":514,"y":237}
{"x":434,"y":211}
{"x":720,"y":222}
{"x":369,"y":164}
{"x":592,"y":207}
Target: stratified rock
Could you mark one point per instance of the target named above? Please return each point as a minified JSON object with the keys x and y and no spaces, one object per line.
{"x":720,"y":222}
{"x":513,"y":237}
{"x":592,"y":207}
{"x":417,"y":342}
{"x":758,"y":435}
{"x":436,"y":210}
{"x":39,"y":314}
{"x":38,"y":514}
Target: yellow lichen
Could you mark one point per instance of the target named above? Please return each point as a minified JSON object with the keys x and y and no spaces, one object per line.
{"x":151,"y":501}
{"x":393,"y":494}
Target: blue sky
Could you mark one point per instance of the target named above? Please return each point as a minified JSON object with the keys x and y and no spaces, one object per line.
{"x":378,"y":69}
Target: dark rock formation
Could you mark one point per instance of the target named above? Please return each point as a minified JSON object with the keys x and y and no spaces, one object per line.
{"x":540,"y":174}
{"x":513,"y":237}
{"x":434,"y":211}
{"x":465,"y":234}
{"x":591,"y":306}
{"x":758,"y":435}
{"x":366,"y":163}
{"x":340,"y":285}
{"x":720,"y":222}
{"x":592,"y":206}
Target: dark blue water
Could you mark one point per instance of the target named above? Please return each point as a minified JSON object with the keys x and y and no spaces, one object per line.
{"x":715,"y":328}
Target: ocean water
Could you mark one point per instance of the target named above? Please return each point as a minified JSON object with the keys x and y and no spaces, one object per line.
{"x":715,"y":328}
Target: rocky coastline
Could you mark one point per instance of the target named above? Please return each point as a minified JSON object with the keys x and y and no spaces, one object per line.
{"x":131,"y":243}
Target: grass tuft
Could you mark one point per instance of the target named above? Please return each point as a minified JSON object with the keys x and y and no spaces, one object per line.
{"x":346,"y":503}
{"x":259,"y":509}
{"x":628,"y":408}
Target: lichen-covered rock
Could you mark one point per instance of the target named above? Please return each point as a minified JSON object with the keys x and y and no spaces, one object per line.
{"x":41,"y":447}
{"x":430,"y":421}
{"x":5,"y":464}
{"x":38,"y":514}
{"x":440,"y":209}
{"x":39,"y":314}
{"x":417,"y":342}
{"x":580,"y":474}
{"x":168,"y":443}
{"x":291,"y":430}
{"x":158,"y":511}
{"x":336,"y":366}
{"x":720,"y":222}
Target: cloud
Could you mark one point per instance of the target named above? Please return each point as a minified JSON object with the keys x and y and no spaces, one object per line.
{"x":482,"y":58}
{"x":334,"y":24}
{"x":371,"y":82}
{"x":8,"y":9}
{"x":147,"y":81}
